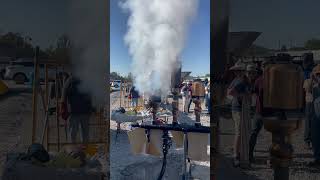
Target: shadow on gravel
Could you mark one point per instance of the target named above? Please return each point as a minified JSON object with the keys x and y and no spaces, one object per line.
{"x":226,"y":171}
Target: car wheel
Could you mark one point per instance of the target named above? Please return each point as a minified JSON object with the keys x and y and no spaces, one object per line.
{"x":20,"y":78}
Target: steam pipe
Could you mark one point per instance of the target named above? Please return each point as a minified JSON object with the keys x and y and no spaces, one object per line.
{"x":177,"y":127}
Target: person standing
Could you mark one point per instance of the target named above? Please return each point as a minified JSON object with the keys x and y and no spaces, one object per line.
{"x":189,"y":95}
{"x":258,"y":122}
{"x":315,"y":120}
{"x":134,"y":94}
{"x":207,"y":97}
{"x":185,"y":97}
{"x":81,"y":108}
{"x":308,"y":65}
{"x":237,"y":90}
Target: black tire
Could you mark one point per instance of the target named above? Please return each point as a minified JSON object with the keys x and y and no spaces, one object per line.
{"x":20,"y":78}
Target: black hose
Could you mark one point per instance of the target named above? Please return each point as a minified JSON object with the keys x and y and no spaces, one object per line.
{"x":163,"y":168}
{"x":165,"y":147}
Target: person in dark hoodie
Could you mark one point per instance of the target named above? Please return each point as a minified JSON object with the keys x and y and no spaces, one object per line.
{"x":134,"y":94}
{"x":80,"y":108}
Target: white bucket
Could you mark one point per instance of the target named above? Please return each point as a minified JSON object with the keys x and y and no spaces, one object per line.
{"x":138,"y":140}
{"x":198,"y":146}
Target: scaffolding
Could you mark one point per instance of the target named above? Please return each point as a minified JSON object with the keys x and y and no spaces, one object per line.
{"x":51,"y":134}
{"x":124,"y":100}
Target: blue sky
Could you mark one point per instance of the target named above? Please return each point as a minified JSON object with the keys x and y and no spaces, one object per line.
{"x":195,"y":56}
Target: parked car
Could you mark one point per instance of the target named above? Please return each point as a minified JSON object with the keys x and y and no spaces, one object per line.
{"x":4,"y":62}
{"x":115,"y":85}
{"x":21,"y":69}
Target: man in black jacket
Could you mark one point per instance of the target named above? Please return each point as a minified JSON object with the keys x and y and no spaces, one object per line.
{"x":80,"y":108}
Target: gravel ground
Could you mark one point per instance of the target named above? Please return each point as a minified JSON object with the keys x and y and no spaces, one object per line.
{"x":260,"y":169}
{"x":15,"y":113}
{"x":124,"y":164}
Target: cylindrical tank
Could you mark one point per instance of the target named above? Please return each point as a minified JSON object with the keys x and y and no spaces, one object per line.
{"x":198,"y":89}
{"x":283,"y":86}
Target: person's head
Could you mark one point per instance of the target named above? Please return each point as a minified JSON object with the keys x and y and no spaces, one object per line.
{"x":238,"y":69}
{"x":307,"y":60}
{"x":190,"y":83}
{"x":251,"y":72}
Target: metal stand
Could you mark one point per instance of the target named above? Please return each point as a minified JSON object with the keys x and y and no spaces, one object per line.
{"x":281,"y":149}
{"x":281,"y":156}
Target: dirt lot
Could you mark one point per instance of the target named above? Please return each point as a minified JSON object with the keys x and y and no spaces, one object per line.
{"x":15,"y":113}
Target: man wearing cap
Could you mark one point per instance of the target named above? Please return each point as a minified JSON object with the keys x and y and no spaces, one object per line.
{"x":237,"y":89}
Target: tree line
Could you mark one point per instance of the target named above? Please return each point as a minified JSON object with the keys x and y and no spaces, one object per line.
{"x":15,"y":45}
{"x":118,"y":76}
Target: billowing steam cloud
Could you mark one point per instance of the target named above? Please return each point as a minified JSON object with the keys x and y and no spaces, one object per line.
{"x":155,"y":37}
{"x":89,"y":37}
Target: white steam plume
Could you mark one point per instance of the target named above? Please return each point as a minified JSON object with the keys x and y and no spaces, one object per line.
{"x":89,"y":37}
{"x":155,"y":37}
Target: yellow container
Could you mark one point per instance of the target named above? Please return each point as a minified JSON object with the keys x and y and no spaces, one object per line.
{"x":91,"y":149}
{"x":3,"y":88}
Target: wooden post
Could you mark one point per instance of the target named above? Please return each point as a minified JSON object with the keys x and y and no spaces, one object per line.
{"x":219,"y":36}
{"x":46,"y":86}
{"x":35,"y":95}
{"x":57,"y":109}
{"x":120,"y":92}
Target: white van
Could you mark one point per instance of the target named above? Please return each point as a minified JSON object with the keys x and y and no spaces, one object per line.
{"x":21,"y":69}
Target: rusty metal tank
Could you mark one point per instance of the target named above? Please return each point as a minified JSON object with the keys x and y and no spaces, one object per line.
{"x":283,"y":86}
{"x":198,"y":89}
